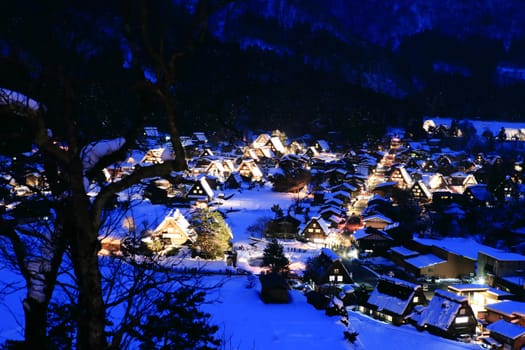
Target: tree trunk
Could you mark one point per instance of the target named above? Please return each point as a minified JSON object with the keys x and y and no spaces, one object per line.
{"x":35,"y":332}
{"x":91,"y":319}
{"x":83,"y":238}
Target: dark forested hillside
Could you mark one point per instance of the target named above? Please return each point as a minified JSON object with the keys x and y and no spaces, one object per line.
{"x":342,"y":62}
{"x":307,"y":66}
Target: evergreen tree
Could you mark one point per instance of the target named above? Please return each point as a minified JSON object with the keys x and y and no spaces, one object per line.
{"x":214,"y":234}
{"x":274,"y":258}
{"x":178,"y":324}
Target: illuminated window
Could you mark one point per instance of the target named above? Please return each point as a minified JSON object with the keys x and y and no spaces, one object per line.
{"x":462,"y":319}
{"x":339,"y":278}
{"x":331,"y":278}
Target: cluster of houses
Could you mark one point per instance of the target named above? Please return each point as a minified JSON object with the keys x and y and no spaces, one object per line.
{"x":347,"y":192}
{"x":345,"y":197}
{"x":465,"y":312}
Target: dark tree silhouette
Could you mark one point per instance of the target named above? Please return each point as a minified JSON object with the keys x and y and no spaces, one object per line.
{"x":178,"y":324}
{"x":274,"y":258}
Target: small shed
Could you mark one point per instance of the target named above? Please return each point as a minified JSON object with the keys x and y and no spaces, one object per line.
{"x":274,"y":288}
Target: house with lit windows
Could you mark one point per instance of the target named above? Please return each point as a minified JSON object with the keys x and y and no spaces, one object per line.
{"x":157,"y":155}
{"x":248,"y":169}
{"x":373,"y":241}
{"x":420,"y":192}
{"x":276,"y":146}
{"x":377,"y":220}
{"x":402,"y":177}
{"x":200,"y":190}
{"x":480,"y":295}
{"x":315,"y":230}
{"x":393,"y":299}
{"x":261,"y":140}
{"x":478,"y":195}
{"x":459,"y":181}
{"x":216,"y":169}
{"x":447,"y":315}
{"x":173,"y":231}
{"x":328,"y":269}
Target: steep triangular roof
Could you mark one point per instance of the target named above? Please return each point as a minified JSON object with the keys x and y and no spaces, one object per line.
{"x":393,"y":295}
{"x":201,"y":185}
{"x":442,"y":310}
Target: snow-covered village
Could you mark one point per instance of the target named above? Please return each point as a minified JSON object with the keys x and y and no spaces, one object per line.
{"x":299,"y":243}
{"x":278,"y":174}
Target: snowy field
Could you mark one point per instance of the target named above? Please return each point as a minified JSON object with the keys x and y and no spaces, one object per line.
{"x":247,"y":323}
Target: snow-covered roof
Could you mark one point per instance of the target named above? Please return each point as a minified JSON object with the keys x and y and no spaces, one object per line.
{"x":330,"y":254}
{"x":312,"y":150}
{"x":424,"y":188}
{"x":323,"y":145}
{"x":261,"y":140}
{"x":200,"y":136}
{"x":469,"y":287}
{"x":276,"y":142}
{"x":378,"y":197}
{"x":466,"y":247}
{"x":403,"y":251}
{"x":503,"y":256}
{"x":216,"y":164}
{"x":393,"y":303}
{"x":324,"y":225}
{"x":94,"y":151}
{"x":507,"y":329}
{"x":343,"y":187}
{"x":404,"y":175}
{"x":333,"y":200}
{"x":423,"y":261}
{"x":441,"y":311}
{"x":205,"y":186}
{"x":367,"y":231}
{"x":507,"y":307}
{"x":157,"y":155}
{"x":385,"y":185}
{"x":499,"y":292}
{"x":378,"y":217}
{"x":480,"y":192}
{"x":341,"y":193}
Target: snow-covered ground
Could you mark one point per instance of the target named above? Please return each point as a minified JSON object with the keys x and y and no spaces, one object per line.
{"x":247,"y":323}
